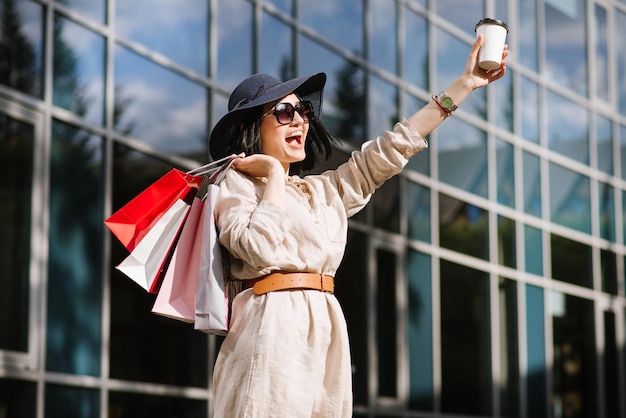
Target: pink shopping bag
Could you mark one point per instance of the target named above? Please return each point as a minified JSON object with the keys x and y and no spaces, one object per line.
{"x":177,"y":296}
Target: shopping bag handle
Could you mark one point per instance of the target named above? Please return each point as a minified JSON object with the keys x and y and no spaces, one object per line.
{"x":219,"y":175}
{"x":212,"y":167}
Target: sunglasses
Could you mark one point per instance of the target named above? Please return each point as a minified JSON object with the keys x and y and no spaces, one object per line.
{"x":285,"y":112}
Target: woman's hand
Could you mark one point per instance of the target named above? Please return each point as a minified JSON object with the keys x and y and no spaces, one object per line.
{"x":430,"y":116}
{"x":478,"y":77}
{"x":265,"y":166}
{"x":258,"y":165}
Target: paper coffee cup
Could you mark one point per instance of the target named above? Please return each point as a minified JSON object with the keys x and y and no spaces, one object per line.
{"x":494,"y":33}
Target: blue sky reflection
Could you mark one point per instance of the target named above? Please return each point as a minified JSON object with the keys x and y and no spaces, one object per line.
{"x":166,"y":110}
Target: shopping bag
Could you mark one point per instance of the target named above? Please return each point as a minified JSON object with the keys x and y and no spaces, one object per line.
{"x":148,"y":261}
{"x":212,"y":307}
{"x":133,"y":221}
{"x":176,"y":298}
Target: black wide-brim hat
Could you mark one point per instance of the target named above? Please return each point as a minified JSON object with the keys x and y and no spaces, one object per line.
{"x":258,"y":90}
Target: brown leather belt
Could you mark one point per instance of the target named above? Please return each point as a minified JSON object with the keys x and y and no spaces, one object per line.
{"x":287,"y":281}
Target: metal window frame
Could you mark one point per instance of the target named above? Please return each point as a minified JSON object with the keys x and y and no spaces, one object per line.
{"x":29,"y":363}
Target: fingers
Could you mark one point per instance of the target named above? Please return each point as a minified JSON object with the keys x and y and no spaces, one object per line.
{"x":477,"y":44}
{"x":497,"y":73}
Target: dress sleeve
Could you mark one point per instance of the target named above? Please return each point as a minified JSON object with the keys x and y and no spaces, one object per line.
{"x":249,"y":227}
{"x":377,"y":161}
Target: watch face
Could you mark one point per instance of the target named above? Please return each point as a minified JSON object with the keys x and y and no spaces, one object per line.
{"x":447,"y":102}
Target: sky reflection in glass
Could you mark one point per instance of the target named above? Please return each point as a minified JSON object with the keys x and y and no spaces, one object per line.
{"x":177,"y":29}
{"x":164,"y":109}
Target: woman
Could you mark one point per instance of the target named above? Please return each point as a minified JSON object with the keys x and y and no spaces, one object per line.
{"x":287,"y":353}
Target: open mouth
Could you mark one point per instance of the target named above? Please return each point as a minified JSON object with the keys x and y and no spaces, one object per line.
{"x":294,"y":139}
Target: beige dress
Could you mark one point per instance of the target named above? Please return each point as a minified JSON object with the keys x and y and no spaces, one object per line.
{"x":287,"y":353}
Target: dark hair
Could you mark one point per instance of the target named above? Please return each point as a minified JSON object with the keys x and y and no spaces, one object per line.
{"x":318,"y":142}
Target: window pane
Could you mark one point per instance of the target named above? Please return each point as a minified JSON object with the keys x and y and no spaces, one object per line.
{"x":275,"y":54}
{"x":465,"y":341}
{"x":344,"y":111}
{"x":505,"y":178}
{"x":463,"y":13}
{"x":383,"y":106}
{"x":570,"y":203}
{"x":602,"y":53}
{"x":177,"y":30}
{"x":418,"y":211}
{"x":386,"y":320}
{"x":608,"y":269}
{"x":92,"y":9}
{"x":234,"y":43}
{"x":383,"y":45}
{"x":604,"y":138}
{"x":565,"y":36}
{"x":451,"y":57}
{"x":16,"y":167}
{"x":532,"y":184}
{"x":463,"y":158}
{"x":141,"y":405}
{"x":386,"y":205}
{"x":160,"y":107}
{"x":620,"y":52}
{"x":352,"y":294}
{"x":527,"y":14}
{"x":506,"y":242}
{"x":21,"y":47}
{"x":463,"y":227}
{"x":533,"y":247}
{"x":71,"y":402}
{"x":18,"y":399}
{"x":607,"y":211}
{"x":612,"y":393}
{"x":509,"y":349}
{"x":502,"y":9}
{"x":574,"y":381}
{"x":568,"y":128}
{"x":349,"y":13}
{"x":420,"y":162}
{"x":284,"y":5}
{"x":503,"y":109}
{"x":624,"y":212}
{"x":422,"y":391}
{"x":571,"y":261}
{"x":73,"y":337}
{"x":536,"y":398}
{"x":415,"y":56}
{"x":622,"y":154}
{"x":132,"y":323}
{"x":78,"y":73}
{"x":529,"y":110}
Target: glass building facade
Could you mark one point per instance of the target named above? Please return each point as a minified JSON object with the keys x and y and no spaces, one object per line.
{"x":485,"y":280}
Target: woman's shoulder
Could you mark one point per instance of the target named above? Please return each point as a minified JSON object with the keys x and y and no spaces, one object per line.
{"x":234,"y":177}
{"x":236,"y":183}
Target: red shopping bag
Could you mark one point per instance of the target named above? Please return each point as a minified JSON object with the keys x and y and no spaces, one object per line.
{"x":177,"y":296}
{"x":133,"y":221}
{"x":149,"y":260}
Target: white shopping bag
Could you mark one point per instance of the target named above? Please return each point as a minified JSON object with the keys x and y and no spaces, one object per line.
{"x":177,"y":295}
{"x":212,"y":312}
{"x":146,"y":263}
